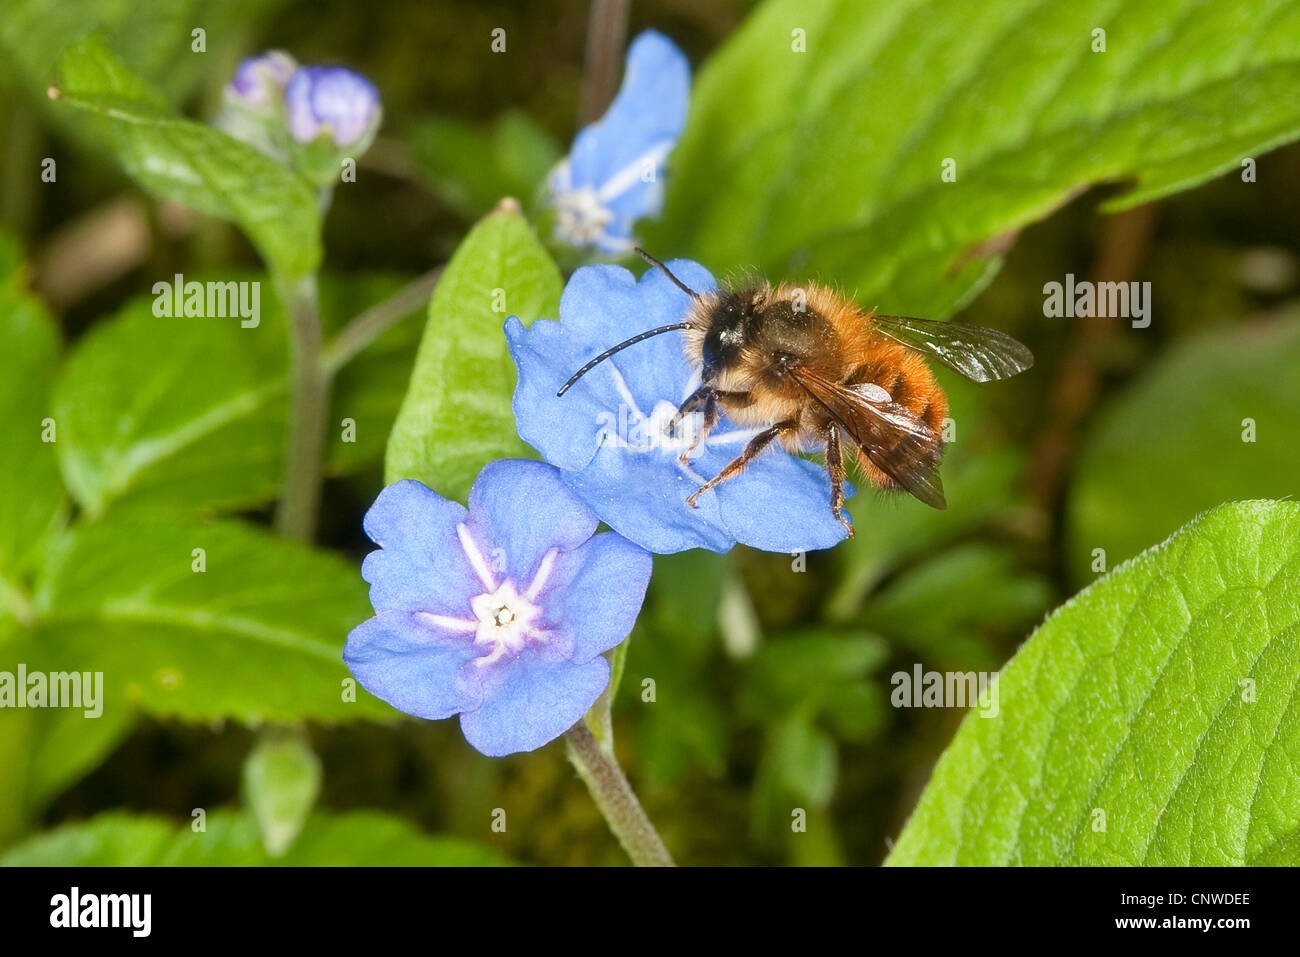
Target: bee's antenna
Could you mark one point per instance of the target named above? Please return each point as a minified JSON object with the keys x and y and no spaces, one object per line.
{"x":668,"y":272}
{"x":676,"y":326}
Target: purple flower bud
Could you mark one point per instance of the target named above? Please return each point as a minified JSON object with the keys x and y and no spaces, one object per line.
{"x":260,"y":80}
{"x":331,"y":98}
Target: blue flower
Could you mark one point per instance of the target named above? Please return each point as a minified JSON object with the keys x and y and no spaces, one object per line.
{"x":606,"y":434}
{"x":259,"y":81}
{"x":498,"y":612}
{"x":334,"y":100}
{"x":613,"y":176}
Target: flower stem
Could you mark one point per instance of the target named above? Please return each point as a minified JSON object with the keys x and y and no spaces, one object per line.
{"x":300,"y":498}
{"x":615,"y":798}
{"x":606,"y":36}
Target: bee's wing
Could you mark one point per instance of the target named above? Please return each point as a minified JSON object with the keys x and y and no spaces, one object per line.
{"x":895,"y":441}
{"x":978,"y":353}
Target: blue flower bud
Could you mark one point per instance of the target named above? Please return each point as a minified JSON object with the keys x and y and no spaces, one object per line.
{"x":335,"y":100}
{"x":259,"y":81}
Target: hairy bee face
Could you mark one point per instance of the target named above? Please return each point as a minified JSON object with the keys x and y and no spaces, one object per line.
{"x":731,"y":325}
{"x":751,"y":331}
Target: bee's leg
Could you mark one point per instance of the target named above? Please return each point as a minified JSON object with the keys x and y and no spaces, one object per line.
{"x":710,"y":420}
{"x":737,"y":465}
{"x":701,"y":398}
{"x":835,"y":469}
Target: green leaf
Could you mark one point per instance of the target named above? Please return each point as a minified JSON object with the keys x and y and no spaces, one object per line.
{"x":31,"y":495}
{"x":282,"y":779}
{"x":43,"y":750}
{"x":525,"y":153}
{"x":174,"y":417}
{"x":257,"y":635}
{"x":1175,"y":443}
{"x":357,"y":839}
{"x":40,"y":750}
{"x":789,"y":686}
{"x":685,"y":593}
{"x":154,"y":36}
{"x":179,"y":159}
{"x":797,"y":774}
{"x":1153,"y":719}
{"x":457,"y":415}
{"x":456,"y":161}
{"x":832,"y":158}
{"x":684,"y":727}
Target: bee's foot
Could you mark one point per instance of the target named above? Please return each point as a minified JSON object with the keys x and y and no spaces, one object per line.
{"x":691,"y":501}
{"x":845,"y":522}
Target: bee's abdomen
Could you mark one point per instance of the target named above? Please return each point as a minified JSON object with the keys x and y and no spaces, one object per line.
{"x":910,"y":383}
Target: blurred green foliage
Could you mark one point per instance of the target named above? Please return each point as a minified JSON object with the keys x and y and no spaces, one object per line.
{"x":830,"y":123}
{"x":1213,"y":419}
{"x":755,"y":684}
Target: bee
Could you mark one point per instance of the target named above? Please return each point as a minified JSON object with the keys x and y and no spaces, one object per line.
{"x":814,"y":372}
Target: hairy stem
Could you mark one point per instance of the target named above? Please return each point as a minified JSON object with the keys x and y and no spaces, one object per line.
{"x":300,"y":498}
{"x":615,"y":798}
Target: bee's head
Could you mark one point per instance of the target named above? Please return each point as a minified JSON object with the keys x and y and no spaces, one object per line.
{"x":732,"y":324}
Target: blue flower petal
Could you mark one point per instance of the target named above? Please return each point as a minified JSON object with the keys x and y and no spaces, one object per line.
{"x":532,"y":702}
{"x":605,"y":433}
{"x":542,"y":348}
{"x":793,"y":488}
{"x":645,"y":502}
{"x":594,"y":594}
{"x":521,"y":510}
{"x":415,"y":665}
{"x":638,"y":201}
{"x":421,"y":565}
{"x":518,"y":680}
{"x":649,"y":110}
{"x":601,"y":306}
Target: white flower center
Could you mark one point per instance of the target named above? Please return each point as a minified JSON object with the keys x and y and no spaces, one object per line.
{"x":580,"y":217}
{"x":631,"y":429}
{"x":505,"y":621}
{"x":503,"y":618}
